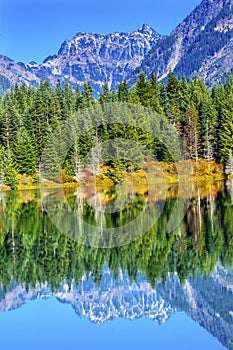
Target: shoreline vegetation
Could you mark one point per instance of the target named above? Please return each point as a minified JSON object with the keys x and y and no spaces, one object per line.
{"x":107,"y":193}
{"x":160,"y":173}
{"x":162,"y":123}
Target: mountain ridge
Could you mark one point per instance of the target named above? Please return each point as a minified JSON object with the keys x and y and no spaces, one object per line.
{"x":194,"y":43}
{"x":202,"y":45}
{"x":87,"y":56}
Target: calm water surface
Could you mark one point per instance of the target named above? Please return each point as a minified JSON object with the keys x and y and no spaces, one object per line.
{"x":164,"y":290}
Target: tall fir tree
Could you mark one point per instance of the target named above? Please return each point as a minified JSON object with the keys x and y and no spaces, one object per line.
{"x":105,"y":96}
{"x":225,"y":129}
{"x":25,"y":153}
{"x":78,"y":99}
{"x":123,"y":91}
{"x":10,"y":170}
{"x":172,"y":87}
{"x":190,"y":137}
{"x":40,"y":122}
{"x":88,"y":99}
{"x":9,"y":121}
{"x":207,"y":129}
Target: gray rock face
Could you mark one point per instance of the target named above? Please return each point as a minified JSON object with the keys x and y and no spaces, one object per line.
{"x":95,"y":57}
{"x":98,"y":57}
{"x":201,"y":45}
{"x":16,"y":72}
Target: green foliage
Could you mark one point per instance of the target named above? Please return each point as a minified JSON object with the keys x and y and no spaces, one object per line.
{"x":225,"y":127}
{"x":10,"y":170}
{"x":105,"y":96}
{"x":87,"y":95}
{"x":25,"y":153}
{"x":202,"y":119}
{"x":123,"y":92}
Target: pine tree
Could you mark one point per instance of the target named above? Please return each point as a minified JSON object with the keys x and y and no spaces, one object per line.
{"x":143,"y":90}
{"x":172,"y":87}
{"x":204,"y":121}
{"x":154,"y":95}
{"x":69,"y":100}
{"x":225,"y":130}
{"x":114,"y":96}
{"x":207,"y":129}
{"x":123,"y":91}
{"x":133,"y":97}
{"x":54,"y":111}
{"x":78,"y":99}
{"x":20,"y":94}
{"x":229,"y":84}
{"x":87,"y":95}
{"x":163,"y":97}
{"x":96,"y":156}
{"x":40,"y":122}
{"x":174,"y":114}
{"x":11,"y":172}
{"x":2,"y":166}
{"x":183,"y":97}
{"x":191,"y":133}
{"x":105,"y":96}
{"x":25,"y":153}
{"x":196,"y":89}
{"x":51,"y":159}
{"x":9,"y":121}
{"x":62,"y":101}
{"x":28,"y":115}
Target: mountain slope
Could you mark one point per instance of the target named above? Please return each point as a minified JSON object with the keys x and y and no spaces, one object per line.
{"x":201,"y":45}
{"x":12,"y":72}
{"x":98,"y":57}
{"x":95,"y":57}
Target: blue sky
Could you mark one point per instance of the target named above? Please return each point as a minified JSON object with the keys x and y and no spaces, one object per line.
{"x":30,"y":30}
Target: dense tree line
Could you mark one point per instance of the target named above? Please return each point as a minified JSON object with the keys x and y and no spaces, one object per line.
{"x":202,"y":117}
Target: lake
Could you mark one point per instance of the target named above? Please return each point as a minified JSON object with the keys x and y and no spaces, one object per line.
{"x":122,"y":267}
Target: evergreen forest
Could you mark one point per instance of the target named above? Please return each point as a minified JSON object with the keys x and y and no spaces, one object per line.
{"x":29,"y":115}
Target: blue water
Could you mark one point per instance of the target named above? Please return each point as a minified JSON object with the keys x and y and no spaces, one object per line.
{"x":48,"y":324}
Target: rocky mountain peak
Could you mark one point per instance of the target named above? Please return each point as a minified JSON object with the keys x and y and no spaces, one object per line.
{"x":145,"y":29}
{"x":201,"y":45}
{"x":99,"y":57}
